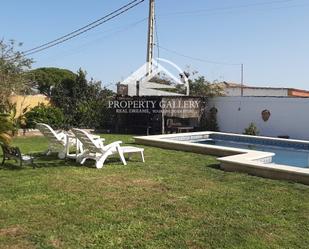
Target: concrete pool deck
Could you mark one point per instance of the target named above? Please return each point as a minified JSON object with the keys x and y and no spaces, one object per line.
{"x":253,"y":162}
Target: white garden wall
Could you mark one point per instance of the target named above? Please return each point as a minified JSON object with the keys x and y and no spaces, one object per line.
{"x":289,"y":116}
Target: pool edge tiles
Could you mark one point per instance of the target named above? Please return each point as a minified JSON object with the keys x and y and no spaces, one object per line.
{"x":232,"y":159}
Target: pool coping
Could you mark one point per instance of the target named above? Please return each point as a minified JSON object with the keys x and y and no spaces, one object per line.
{"x":233,"y":159}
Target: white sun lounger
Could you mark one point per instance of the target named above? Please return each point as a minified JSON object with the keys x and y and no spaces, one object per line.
{"x":58,"y":141}
{"x":131,"y":149}
{"x":99,"y":152}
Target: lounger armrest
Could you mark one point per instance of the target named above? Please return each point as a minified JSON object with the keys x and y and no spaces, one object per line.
{"x":95,"y":136}
{"x":99,"y":142}
{"x":61,"y":135}
{"x":98,"y":138}
{"x":111,"y":145}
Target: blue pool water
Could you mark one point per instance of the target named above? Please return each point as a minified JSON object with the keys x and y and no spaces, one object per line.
{"x":286,"y":152}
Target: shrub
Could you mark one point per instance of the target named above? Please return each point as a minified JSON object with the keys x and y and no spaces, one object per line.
{"x":251,"y":130}
{"x":18,"y":121}
{"x":6,"y":128}
{"x":50,"y":115}
{"x":209,"y":120}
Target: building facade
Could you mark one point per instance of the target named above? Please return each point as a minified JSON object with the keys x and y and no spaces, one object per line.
{"x":235,"y":90}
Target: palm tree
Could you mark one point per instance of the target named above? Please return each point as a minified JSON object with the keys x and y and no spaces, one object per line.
{"x":6,"y":127}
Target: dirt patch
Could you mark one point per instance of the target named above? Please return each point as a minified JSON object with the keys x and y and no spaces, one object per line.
{"x":143,"y":182}
{"x":11,"y":231}
{"x":20,"y":245}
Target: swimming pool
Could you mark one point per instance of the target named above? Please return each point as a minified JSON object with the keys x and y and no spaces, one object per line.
{"x":269,"y":157}
{"x":286,"y":153}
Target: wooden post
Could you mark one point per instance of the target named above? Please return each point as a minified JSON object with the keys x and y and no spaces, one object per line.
{"x":163,"y":123}
{"x":150,"y":42}
{"x":137,"y":88}
{"x":242,"y":81}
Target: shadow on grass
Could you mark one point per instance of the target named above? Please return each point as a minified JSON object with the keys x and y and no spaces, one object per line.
{"x":111,"y":161}
{"x":39,"y":161}
{"x":11,"y":166}
{"x":215,"y":166}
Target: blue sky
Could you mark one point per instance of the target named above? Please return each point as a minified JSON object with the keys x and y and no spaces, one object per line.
{"x":270,"y":37}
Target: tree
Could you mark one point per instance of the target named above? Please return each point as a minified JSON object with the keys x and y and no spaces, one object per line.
{"x":201,"y":87}
{"x":82,"y":102}
{"x":46,"y":78}
{"x":13,"y":65}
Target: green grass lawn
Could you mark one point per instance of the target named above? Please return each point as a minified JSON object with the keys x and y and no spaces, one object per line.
{"x":175,"y":200}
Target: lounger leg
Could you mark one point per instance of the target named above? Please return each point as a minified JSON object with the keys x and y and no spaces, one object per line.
{"x":67,"y":146}
{"x":83,"y":161}
{"x":100,"y":163}
{"x":81,"y":158}
{"x":62,"y":154}
{"x":120,"y":152}
{"x":79,"y":148}
{"x":48,"y":152}
{"x":143,"y":159}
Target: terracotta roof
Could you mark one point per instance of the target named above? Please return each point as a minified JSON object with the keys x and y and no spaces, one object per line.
{"x":228,"y":84}
{"x":236,"y":85}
